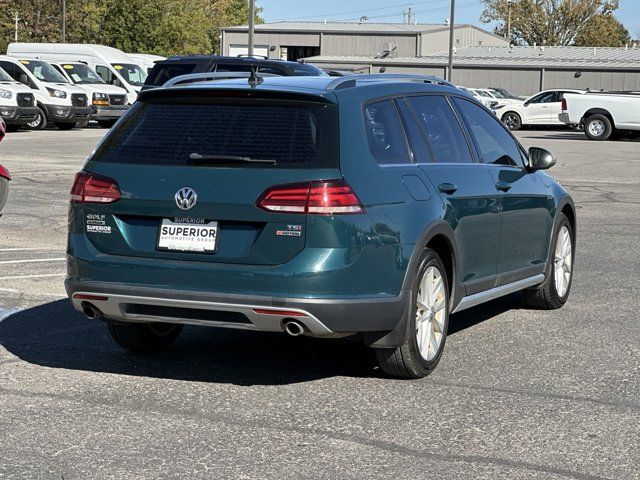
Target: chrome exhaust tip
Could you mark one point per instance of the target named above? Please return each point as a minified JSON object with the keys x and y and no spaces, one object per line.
{"x":293,"y":328}
{"x":90,"y":311}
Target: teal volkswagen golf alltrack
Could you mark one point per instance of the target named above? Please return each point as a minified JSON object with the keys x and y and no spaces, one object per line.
{"x":369,"y":206}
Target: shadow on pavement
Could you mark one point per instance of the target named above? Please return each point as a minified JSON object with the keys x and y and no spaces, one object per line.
{"x":56,"y":336}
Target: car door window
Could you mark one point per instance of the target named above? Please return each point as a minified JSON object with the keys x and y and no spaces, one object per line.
{"x":385,"y":135}
{"x":10,"y":68}
{"x":546,"y":97}
{"x":494,"y":143}
{"x":105,"y":74}
{"x":233,"y":67}
{"x":416,"y":139}
{"x":271,"y":70}
{"x":441,"y":128}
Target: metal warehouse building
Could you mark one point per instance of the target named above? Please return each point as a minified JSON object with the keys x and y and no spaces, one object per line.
{"x":524,"y":70}
{"x":295,"y":40}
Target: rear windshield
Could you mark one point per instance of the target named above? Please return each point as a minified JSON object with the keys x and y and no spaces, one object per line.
{"x":293,"y":134}
{"x":163,"y":72}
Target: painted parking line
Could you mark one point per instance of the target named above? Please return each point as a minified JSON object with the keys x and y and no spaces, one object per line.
{"x":18,"y":277}
{"x":33,"y":260}
{"x":7,"y":312}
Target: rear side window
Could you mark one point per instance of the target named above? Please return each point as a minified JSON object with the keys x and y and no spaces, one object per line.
{"x":441,"y":129}
{"x":163,"y":72}
{"x":492,"y":140}
{"x":385,"y":134}
{"x":292,"y":134}
{"x":233,"y":67}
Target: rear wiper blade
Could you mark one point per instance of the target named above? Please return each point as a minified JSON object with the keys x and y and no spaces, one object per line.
{"x":228,"y":159}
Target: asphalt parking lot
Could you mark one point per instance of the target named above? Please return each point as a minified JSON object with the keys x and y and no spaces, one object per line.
{"x":519,"y":394}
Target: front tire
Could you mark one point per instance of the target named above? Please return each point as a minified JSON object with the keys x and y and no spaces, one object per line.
{"x":554,"y":292}
{"x":145,"y":337}
{"x":420,"y":353}
{"x":39,"y":122}
{"x":512,"y":120}
{"x":598,"y":127}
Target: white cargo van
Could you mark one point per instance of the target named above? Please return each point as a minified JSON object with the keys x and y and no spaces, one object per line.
{"x":145,"y":60}
{"x":113,"y":66}
{"x":17,"y":102}
{"x":57,"y":100}
{"x":108,"y":102}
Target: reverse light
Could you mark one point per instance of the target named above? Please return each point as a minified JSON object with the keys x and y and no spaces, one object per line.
{"x":90,"y":188}
{"x":321,"y":198}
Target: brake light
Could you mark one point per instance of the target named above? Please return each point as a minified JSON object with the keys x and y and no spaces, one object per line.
{"x":321,"y":198}
{"x":90,"y":188}
{"x":564,"y":104}
{"x":4,"y":173}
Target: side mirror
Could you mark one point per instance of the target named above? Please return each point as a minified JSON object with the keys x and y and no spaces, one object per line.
{"x":526,"y":104}
{"x":540,"y":159}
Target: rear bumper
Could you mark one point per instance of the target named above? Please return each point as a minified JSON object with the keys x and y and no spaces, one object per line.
{"x":564,"y":118}
{"x":321,"y":317}
{"x":18,"y":115}
{"x":108,"y":113}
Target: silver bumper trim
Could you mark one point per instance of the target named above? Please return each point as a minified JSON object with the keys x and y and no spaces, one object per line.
{"x":115,"y":307}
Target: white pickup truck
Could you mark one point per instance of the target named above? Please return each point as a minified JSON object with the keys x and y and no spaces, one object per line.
{"x":603,"y":115}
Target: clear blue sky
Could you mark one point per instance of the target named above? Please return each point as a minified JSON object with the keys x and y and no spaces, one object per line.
{"x":427,"y":11}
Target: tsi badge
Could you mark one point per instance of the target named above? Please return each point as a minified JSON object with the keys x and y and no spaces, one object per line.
{"x":291,"y":231}
{"x":186,"y":198}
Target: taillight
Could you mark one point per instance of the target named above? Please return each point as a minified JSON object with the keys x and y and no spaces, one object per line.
{"x":88,"y":187}
{"x":564,"y":104}
{"x":321,"y":198}
{"x":4,"y":173}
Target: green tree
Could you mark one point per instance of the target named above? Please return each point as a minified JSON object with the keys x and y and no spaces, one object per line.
{"x":603,"y":30}
{"x":545,"y":22}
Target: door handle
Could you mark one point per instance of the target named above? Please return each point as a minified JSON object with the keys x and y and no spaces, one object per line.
{"x":447,"y":188}
{"x":503,"y":186}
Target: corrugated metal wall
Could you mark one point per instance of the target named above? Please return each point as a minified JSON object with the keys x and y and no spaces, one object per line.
{"x":522,"y":82}
{"x":367,"y":45}
{"x":270,"y":39}
{"x":607,"y":80}
{"x":438,"y":41}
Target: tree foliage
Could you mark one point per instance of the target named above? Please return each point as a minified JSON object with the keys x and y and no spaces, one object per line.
{"x":603,"y":30}
{"x":162,"y":27}
{"x":546,"y":22}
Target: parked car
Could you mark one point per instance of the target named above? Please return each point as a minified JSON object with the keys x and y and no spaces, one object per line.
{"x":603,"y":115}
{"x":508,"y":93}
{"x":17,"y":103}
{"x":113,"y":65}
{"x":541,"y":109}
{"x":108,"y":102}
{"x":145,"y":60}
{"x":165,"y":70}
{"x":4,"y":173}
{"x":482,"y":97}
{"x":57,"y":100}
{"x":330,"y":207}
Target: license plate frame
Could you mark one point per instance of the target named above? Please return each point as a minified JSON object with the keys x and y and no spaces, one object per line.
{"x":165,"y":243}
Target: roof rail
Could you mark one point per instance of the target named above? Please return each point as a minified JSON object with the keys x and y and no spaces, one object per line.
{"x":350,"y":81}
{"x":203,"y":77}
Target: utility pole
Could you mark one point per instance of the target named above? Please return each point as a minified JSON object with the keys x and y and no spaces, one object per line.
{"x":64,"y":21}
{"x":510,"y":4}
{"x":451,"y":34}
{"x":15,"y":34}
{"x":252,"y":21}
{"x":407,"y":16}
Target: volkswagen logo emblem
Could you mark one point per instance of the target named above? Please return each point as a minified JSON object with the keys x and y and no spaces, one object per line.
{"x":186,"y":198}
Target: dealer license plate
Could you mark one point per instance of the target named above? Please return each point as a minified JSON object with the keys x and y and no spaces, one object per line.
{"x":188,"y":237}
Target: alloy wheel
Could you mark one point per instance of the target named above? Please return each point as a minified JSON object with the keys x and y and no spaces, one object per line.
{"x":431,"y":313}
{"x":563,"y":261}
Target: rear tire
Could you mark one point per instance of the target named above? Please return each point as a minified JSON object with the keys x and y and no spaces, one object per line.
{"x":65,"y":126}
{"x":145,"y":337}
{"x":420,"y":353}
{"x":554,"y":292}
{"x":598,"y":127}
{"x":512,"y":120}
